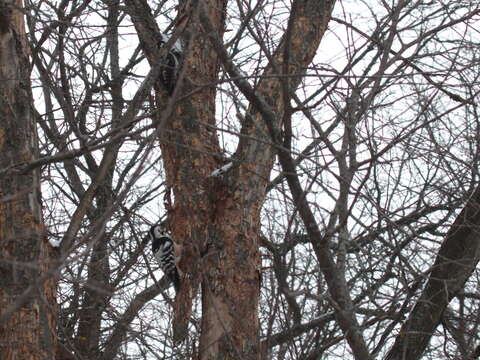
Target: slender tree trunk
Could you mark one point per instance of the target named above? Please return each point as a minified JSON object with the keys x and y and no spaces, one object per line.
{"x":456,"y":259}
{"x":27,"y":300}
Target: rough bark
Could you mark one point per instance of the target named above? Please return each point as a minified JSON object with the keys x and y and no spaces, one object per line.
{"x":307,"y":24}
{"x":27,"y":331}
{"x":218,"y":218}
{"x":207,"y":216}
{"x":308,"y":19}
{"x":189,"y":147}
{"x":457,"y":258}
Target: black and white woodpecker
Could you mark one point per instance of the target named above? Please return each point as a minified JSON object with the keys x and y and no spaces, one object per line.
{"x":171,"y":63}
{"x":166,"y":252}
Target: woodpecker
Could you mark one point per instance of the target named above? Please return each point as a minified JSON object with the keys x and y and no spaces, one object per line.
{"x":171,"y":63}
{"x":166,"y":252}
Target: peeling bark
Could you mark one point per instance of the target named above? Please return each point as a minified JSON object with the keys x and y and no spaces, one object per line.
{"x":28,"y":329}
{"x":218,"y":218}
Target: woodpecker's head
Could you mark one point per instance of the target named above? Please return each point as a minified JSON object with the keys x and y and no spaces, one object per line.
{"x":158,"y":235}
{"x":157,"y":231}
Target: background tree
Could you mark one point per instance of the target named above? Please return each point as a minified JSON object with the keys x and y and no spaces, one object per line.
{"x":27,"y":290}
{"x":363,"y":230}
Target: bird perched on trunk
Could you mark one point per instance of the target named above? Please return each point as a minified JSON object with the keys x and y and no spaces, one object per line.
{"x":166,"y":252}
{"x":171,"y":63}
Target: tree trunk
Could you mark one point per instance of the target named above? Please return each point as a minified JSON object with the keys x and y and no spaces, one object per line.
{"x":217,"y":225}
{"x":217,"y":218}
{"x":231,"y":285}
{"x":457,"y":258}
{"x":27,"y":297}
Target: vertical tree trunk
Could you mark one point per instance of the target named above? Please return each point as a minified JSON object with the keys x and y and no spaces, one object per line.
{"x":218,"y":218}
{"x":231,"y":276}
{"x":231,"y":281}
{"x":217,"y":223}
{"x":27,"y":327}
{"x":456,"y":259}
